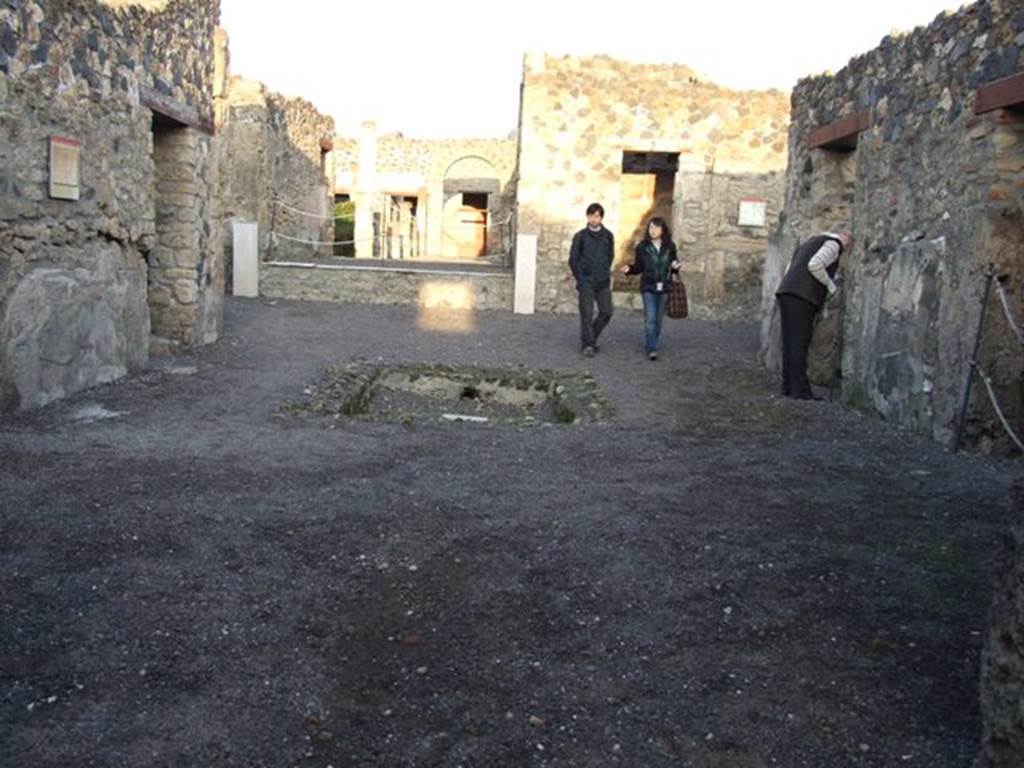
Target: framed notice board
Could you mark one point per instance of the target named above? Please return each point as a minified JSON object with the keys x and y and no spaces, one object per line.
{"x":65,"y":162}
{"x":753,"y":212}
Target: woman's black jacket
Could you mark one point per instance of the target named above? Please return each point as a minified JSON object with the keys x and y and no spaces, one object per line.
{"x":645,"y":264}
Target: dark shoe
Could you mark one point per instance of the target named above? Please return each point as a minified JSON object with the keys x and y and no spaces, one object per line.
{"x":596,"y":349}
{"x":589,"y":351}
{"x":808,"y":396}
{"x":652,"y":356}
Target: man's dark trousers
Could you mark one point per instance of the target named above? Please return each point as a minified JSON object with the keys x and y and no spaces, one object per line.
{"x":590,"y":328}
{"x":797,"y":326}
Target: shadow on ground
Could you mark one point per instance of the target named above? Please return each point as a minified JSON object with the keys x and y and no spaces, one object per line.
{"x":716,"y":578}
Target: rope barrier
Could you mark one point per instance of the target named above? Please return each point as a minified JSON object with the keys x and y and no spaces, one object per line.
{"x":411,"y":217}
{"x":305,"y":241}
{"x":974,"y":367}
{"x":504,"y":223}
{"x":995,"y":404}
{"x":311,"y":215}
{"x":365,"y":240}
{"x":396,"y":231}
{"x":1009,"y":313}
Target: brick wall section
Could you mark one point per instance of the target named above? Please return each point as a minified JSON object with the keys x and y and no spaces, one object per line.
{"x":934,"y":193}
{"x":74,"y":275}
{"x":578,"y":117}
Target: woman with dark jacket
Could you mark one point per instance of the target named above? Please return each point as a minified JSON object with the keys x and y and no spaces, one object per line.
{"x":655,"y":260}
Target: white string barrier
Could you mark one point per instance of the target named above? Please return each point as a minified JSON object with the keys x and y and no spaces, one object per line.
{"x":995,"y":405}
{"x":310,"y":214}
{"x":411,"y":218}
{"x":305,"y":241}
{"x":1009,"y":313}
{"x":320,"y":216}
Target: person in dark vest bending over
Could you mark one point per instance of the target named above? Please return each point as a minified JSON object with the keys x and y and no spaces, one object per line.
{"x":590,"y":259}
{"x":807,"y":284}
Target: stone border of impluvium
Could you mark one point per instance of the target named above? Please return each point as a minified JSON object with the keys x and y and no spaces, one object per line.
{"x":347,"y":391}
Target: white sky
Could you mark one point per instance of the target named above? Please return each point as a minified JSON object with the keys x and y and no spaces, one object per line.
{"x":435,"y":68}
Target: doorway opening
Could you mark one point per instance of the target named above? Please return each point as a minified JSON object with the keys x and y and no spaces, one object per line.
{"x":647,"y":189}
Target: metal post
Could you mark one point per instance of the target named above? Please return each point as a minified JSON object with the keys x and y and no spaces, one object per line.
{"x":273,"y":221}
{"x":990,"y":273}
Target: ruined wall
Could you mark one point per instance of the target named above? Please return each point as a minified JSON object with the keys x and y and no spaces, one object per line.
{"x":578,"y":117}
{"x":76,"y":292}
{"x":1002,"y":666}
{"x":276,"y":168}
{"x":349,"y":283}
{"x":934,"y":193}
{"x":420,"y":168}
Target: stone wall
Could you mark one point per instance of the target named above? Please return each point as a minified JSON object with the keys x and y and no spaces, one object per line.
{"x":1002,"y":666}
{"x":579,"y":117}
{"x":277,"y":169}
{"x":429,"y":170}
{"x":429,"y":289}
{"x":82,"y":282}
{"x":934,"y":193}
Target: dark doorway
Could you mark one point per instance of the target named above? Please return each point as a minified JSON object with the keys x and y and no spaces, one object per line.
{"x":647,"y":189}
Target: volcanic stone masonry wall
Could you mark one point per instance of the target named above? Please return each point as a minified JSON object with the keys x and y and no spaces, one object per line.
{"x":83,"y":283}
{"x":1002,"y":676}
{"x":579,"y":117}
{"x":273,"y":147}
{"x":935,"y":193}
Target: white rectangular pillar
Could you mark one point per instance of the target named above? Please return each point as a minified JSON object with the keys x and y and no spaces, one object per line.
{"x":366,"y":192}
{"x":525,"y":300}
{"x":245,"y":259}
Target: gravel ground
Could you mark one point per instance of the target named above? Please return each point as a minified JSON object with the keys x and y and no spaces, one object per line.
{"x":719,"y":577}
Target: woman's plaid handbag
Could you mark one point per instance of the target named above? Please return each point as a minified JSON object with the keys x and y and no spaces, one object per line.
{"x":677,"y":305}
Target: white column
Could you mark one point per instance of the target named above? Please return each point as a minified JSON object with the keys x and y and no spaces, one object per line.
{"x":245,"y":259}
{"x":366,"y":189}
{"x":526,"y":275}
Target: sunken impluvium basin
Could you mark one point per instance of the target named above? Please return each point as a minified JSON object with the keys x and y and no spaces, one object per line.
{"x":440,"y":393}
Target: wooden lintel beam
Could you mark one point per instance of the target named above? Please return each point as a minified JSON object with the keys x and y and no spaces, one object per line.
{"x":175,"y":110}
{"x":841,"y":134}
{"x":1007,"y":93}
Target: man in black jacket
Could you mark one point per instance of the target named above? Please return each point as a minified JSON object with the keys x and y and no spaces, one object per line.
{"x":590,"y":259}
{"x":807,"y":284}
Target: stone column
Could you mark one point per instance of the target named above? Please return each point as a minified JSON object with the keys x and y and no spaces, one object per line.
{"x":394,"y":230}
{"x":176,"y":262}
{"x":366,"y":190}
{"x":422,"y":226}
{"x":405,"y":229}
{"x":435,"y":219}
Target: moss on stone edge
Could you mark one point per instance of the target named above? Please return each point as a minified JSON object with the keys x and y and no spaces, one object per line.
{"x":347,"y":390}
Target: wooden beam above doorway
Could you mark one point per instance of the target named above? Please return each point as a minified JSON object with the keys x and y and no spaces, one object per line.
{"x":1007,"y":93}
{"x":173,"y":111}
{"x":842,"y":134}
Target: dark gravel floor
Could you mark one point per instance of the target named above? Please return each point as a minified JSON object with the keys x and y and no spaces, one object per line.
{"x":717,"y":578}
